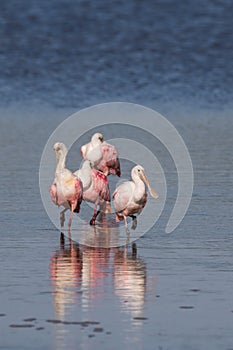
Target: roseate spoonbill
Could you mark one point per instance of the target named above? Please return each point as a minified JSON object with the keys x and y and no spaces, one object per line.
{"x":103,"y":155}
{"x":95,"y":189}
{"x":130,"y":197}
{"x":67,"y":189}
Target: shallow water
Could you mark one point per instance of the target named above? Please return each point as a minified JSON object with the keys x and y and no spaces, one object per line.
{"x":170,"y":291}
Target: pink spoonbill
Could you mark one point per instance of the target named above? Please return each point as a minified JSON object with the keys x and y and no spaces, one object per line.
{"x":103,"y":155}
{"x":130,"y":197}
{"x":95,"y":189}
{"x":67,"y":189}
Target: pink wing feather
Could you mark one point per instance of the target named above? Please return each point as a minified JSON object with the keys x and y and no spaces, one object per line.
{"x":53,"y":193}
{"x":122,"y":196}
{"x":78,"y":194}
{"x":109,"y":163}
{"x":101,"y":186}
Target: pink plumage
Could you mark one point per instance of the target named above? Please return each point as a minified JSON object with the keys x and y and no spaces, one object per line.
{"x":100,"y":183}
{"x":67,"y":189}
{"x":78,"y":194}
{"x":95,"y":189}
{"x":130,"y":197}
{"x":109,"y":164}
{"x":53,"y":193}
{"x":103,"y":155}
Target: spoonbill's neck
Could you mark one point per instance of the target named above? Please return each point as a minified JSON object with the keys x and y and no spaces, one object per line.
{"x":85,"y":174}
{"x":96,"y":142}
{"x":86,"y":169}
{"x":61,"y":160}
{"x":140,"y":187}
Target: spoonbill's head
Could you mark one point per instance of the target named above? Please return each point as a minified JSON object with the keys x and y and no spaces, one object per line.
{"x":139,"y":172}
{"x":59,"y":146}
{"x":59,"y":149}
{"x":97,"y":138}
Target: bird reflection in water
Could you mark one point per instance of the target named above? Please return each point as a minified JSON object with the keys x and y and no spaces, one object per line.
{"x":80,"y":274}
{"x":129,"y":277}
{"x":105,"y":234}
{"x":65,"y":274}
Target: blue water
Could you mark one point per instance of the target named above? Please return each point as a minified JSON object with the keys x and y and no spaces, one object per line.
{"x":173,"y":291}
{"x":77,"y":53}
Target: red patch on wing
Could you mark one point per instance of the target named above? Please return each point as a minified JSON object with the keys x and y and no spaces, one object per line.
{"x":101,"y":184}
{"x":53,"y":193}
{"x":100,"y":176}
{"x":78,"y":194}
{"x":110,"y":163}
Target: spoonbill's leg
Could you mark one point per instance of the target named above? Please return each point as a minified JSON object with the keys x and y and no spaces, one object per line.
{"x":117,"y":218}
{"x":102,"y":207}
{"x":70,"y":220}
{"x":62,"y":241}
{"x":134,"y":222}
{"x":126,"y":228}
{"x":126,"y":223}
{"x":105,"y":207}
{"x":103,"y":218}
{"x":134,"y":250}
{"x":96,"y":213}
{"x":62,"y":217}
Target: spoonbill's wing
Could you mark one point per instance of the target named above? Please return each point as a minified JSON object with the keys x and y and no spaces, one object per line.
{"x":123,"y":195}
{"x":100,"y":183}
{"x":53,"y":193}
{"x":71,"y":187}
{"x":110,"y":162}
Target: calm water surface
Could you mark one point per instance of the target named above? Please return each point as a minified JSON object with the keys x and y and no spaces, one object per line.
{"x":170,"y":291}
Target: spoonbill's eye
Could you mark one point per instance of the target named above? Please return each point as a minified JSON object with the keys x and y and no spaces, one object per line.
{"x":139,"y":170}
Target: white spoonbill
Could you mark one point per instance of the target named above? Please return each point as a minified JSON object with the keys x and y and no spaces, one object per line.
{"x":103,"y":155}
{"x":67,"y":189}
{"x":130,"y":197}
{"x":95,"y":189}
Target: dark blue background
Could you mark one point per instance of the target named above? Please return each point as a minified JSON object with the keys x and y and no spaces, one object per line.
{"x":74,"y":53}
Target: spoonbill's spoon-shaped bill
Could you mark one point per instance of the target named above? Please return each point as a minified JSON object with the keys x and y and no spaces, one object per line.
{"x":130,"y":197}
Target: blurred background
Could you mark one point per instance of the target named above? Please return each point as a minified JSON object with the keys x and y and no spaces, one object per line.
{"x":79,"y":52}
